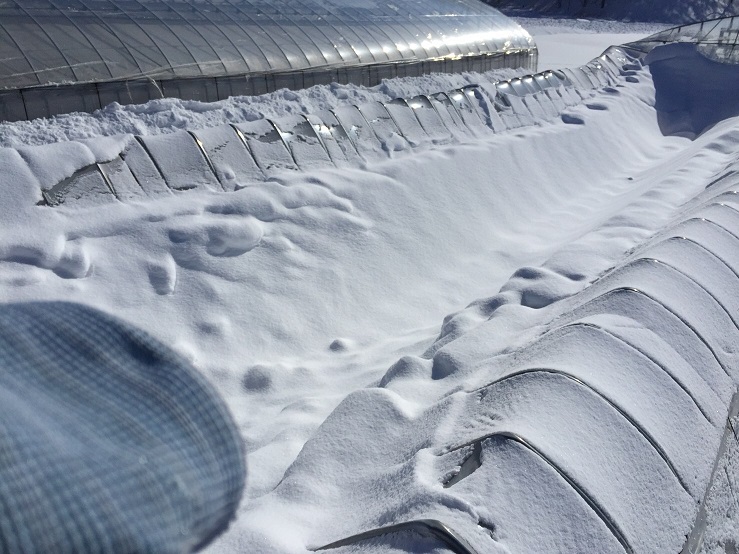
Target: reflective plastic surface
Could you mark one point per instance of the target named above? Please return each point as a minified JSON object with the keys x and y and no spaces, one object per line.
{"x":83,"y":41}
{"x":717,"y":39}
{"x":61,"y":56}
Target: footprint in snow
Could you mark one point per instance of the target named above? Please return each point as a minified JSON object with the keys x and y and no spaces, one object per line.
{"x":572,"y":119}
{"x":539,"y":287}
{"x":74,"y":263}
{"x":221,"y":238}
{"x":233,"y":238}
{"x":163,"y":275}
{"x":68,"y":260}
{"x":341,"y":345}
{"x":257,"y":379}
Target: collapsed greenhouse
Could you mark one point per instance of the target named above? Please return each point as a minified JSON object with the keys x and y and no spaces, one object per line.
{"x":80,"y":55}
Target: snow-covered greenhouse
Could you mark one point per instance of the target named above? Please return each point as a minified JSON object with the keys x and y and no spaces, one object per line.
{"x":80,"y":55}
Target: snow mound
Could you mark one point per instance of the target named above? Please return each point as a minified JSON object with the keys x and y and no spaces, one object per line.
{"x":579,"y":410}
{"x":598,"y":433}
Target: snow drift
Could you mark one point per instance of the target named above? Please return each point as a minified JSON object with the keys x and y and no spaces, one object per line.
{"x":579,"y":409}
{"x":598,"y":434}
{"x":693,"y":92}
{"x":232,"y":156}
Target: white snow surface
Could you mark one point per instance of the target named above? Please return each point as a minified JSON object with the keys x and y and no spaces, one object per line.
{"x":295,"y":296}
{"x":574,"y":42}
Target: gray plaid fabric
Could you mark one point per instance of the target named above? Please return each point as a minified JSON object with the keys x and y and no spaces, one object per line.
{"x":109,"y":441}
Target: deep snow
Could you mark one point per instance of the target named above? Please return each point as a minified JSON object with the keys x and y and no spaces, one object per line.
{"x":295,"y":296}
{"x":573,"y":42}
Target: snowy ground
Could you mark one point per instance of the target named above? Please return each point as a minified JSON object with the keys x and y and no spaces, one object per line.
{"x":573,"y":42}
{"x":296,"y":296}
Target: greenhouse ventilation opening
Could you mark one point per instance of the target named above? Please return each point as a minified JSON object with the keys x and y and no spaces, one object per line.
{"x":60,"y":56}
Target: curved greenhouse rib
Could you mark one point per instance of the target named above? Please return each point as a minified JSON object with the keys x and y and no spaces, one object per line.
{"x":638,"y":351}
{"x":675,"y":228}
{"x":242,"y":138}
{"x":711,"y":222}
{"x":713,"y":201}
{"x":320,"y":139}
{"x":728,"y":207}
{"x":426,"y":527}
{"x":701,"y":246}
{"x":108,"y":182}
{"x":209,"y":163}
{"x":706,"y":35}
{"x":640,"y":259}
{"x":64,"y":55}
{"x":689,"y":278}
{"x":600,"y":512}
{"x":56,"y":194}
{"x":284,"y":142}
{"x":635,"y":424}
{"x":668,"y":232}
{"x":143,"y":145}
{"x":634,"y":290}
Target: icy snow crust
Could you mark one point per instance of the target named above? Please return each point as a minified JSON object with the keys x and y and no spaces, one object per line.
{"x":579,"y":409}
